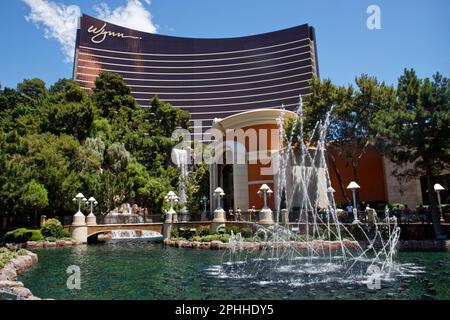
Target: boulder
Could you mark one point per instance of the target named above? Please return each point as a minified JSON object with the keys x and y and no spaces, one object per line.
{"x":48,"y":244}
{"x":31,"y":244}
{"x":185,"y":244}
{"x":10,"y":284}
{"x":224,"y":246}
{"x":196,"y":244}
{"x":205,"y":245}
{"x":60,"y":243}
{"x":12,"y":246}
{"x":215,"y":245}
{"x":39,"y":244}
{"x":8,"y":272}
{"x":33,"y":298}
{"x":21,"y":292}
{"x":33,"y":257}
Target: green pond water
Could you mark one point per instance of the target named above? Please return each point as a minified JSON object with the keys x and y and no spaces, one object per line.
{"x":148,"y":270}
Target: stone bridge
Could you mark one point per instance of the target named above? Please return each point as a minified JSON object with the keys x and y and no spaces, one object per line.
{"x":94,"y":230}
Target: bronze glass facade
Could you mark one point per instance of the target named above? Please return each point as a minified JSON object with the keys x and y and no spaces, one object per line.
{"x":210,"y":78}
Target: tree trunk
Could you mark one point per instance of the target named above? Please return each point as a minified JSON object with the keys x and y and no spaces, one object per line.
{"x":338,"y":176}
{"x":435,"y":214}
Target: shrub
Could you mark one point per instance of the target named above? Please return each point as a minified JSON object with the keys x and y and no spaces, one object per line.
{"x":66,"y":235}
{"x":174,"y":233}
{"x":186,"y":233}
{"x":7,"y":255}
{"x":22,"y":252}
{"x":203,"y":231}
{"x":23,"y":235}
{"x":53,"y":228}
{"x":246,"y":233}
{"x":51,"y":239}
{"x":235,"y":229}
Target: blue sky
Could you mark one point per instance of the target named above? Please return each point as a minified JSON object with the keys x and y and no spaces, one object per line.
{"x":414,"y":34}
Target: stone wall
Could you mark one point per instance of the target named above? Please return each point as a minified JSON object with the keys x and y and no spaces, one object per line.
{"x":9,"y":274}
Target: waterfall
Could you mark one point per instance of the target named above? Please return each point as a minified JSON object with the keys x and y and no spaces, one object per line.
{"x":134,"y":234}
{"x":180,"y":158}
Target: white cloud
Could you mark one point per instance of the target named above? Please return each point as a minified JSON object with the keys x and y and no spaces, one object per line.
{"x":60,"y":21}
{"x":134,"y":16}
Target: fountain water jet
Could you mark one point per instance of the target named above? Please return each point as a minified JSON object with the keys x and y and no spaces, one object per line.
{"x":180,"y":157}
{"x":324,"y":249}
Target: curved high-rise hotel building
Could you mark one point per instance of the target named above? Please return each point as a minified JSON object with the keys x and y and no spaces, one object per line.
{"x":210,"y":78}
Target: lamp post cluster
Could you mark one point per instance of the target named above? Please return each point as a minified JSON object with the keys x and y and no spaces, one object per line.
{"x":171,"y":215}
{"x":79,"y":218}
{"x":78,"y":229}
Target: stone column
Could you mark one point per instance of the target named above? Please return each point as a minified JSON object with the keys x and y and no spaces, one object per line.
{"x":78,"y":229}
{"x":266,"y":216}
{"x":284,"y":216}
{"x":167,"y":228}
{"x":219,"y":219}
{"x":91,"y":220}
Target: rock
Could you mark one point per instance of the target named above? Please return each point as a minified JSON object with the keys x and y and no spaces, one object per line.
{"x":48,"y":244}
{"x":31,"y":244}
{"x":33,"y":298}
{"x":33,"y":257}
{"x":205,"y":245}
{"x":21,"y":291}
{"x":10,"y":284}
{"x":12,"y":246}
{"x":196,"y":244}
{"x":76,"y":243}
{"x":185,"y":244}
{"x":39,"y":244}
{"x":60,"y":243}
{"x":215,"y":245}
{"x":9,"y":272}
{"x":224,"y":246}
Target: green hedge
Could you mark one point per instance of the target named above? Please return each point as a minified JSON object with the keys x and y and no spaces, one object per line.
{"x":212,"y":237}
{"x":23,"y":235}
{"x":52,"y":228}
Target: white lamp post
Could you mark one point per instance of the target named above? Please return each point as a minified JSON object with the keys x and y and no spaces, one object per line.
{"x":438,"y":188}
{"x":172,"y":198}
{"x":354,"y":186}
{"x":265,"y":190}
{"x":79,"y":218}
{"x":91,"y":220}
{"x":78,"y":229}
{"x":219,"y":213}
{"x":265,"y":215}
{"x":218,"y":193}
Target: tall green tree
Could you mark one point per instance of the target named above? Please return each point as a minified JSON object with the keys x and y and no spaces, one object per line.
{"x":35,"y":196}
{"x":416,"y":130}
{"x":352,"y":113}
